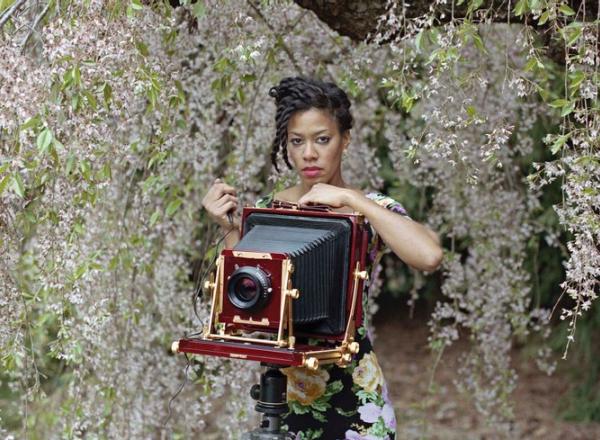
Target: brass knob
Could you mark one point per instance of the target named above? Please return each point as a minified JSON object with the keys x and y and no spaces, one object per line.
{"x":354,"y":347}
{"x":208,"y":285}
{"x":311,"y":363}
{"x":363,"y":275}
{"x":346,"y":358}
{"x":293,"y":293}
{"x":175,"y":347}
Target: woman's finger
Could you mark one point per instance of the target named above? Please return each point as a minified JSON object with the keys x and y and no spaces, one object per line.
{"x":225,"y":199}
{"x":226,"y":208}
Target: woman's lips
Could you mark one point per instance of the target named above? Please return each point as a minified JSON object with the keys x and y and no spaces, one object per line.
{"x":311,"y":171}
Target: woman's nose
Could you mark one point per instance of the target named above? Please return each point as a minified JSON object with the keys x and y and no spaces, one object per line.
{"x":309,"y":152}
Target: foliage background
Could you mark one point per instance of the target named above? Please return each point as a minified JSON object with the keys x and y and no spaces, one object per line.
{"x":116,"y":116}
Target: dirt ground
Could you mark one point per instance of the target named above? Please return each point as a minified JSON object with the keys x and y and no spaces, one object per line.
{"x":401,"y":347}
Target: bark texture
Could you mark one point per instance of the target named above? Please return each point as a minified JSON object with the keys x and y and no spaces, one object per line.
{"x":357,"y":18}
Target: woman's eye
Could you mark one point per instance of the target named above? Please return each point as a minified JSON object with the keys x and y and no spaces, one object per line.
{"x":323,"y":139}
{"x":295,"y":141}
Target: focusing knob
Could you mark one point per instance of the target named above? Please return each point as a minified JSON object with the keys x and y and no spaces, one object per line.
{"x":354,"y":347}
{"x":255,"y":391}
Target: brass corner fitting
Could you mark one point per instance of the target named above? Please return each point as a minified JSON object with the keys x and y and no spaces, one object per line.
{"x":311,"y":363}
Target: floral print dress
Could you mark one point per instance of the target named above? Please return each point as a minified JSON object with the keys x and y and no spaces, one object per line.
{"x":336,"y":403}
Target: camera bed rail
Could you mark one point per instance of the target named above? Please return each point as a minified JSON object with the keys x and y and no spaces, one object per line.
{"x":302,"y":355}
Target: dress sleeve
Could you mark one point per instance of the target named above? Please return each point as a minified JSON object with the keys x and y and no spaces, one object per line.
{"x":388,"y":203}
{"x":376,"y":246}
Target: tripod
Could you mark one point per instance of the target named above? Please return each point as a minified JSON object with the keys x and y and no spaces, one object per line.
{"x":271,"y":400}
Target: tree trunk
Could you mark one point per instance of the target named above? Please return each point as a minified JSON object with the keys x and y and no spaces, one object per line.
{"x":356,"y":19}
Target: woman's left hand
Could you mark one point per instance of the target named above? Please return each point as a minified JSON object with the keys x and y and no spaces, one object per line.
{"x":324,"y":194}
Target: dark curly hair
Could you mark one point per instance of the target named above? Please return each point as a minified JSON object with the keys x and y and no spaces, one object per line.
{"x":299,"y":93}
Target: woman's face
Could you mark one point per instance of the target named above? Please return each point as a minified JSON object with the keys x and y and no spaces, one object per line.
{"x":315,"y":146}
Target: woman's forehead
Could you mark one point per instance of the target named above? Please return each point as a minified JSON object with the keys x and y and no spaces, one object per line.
{"x":311,"y":121}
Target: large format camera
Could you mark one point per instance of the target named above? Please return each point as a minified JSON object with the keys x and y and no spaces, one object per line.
{"x":297,"y":273}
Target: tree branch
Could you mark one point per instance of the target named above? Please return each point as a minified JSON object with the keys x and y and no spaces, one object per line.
{"x":283,"y":45}
{"x":35,"y":23}
{"x":357,"y":19}
{"x":10,"y":11}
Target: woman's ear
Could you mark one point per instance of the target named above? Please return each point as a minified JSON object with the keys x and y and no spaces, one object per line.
{"x":346,"y":139}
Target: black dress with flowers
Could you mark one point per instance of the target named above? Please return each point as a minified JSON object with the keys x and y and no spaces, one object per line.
{"x":336,"y":403}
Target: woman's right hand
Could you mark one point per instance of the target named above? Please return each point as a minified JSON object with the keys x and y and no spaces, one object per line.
{"x":219,"y":201}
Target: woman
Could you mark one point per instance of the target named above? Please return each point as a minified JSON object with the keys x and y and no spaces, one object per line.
{"x":313,"y":123}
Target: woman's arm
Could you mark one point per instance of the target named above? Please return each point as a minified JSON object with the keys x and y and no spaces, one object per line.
{"x":413,"y":243}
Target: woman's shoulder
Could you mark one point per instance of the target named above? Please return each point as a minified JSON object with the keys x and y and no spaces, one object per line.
{"x":288,"y":195}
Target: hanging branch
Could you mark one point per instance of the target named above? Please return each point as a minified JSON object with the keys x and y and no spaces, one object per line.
{"x":10,"y":11}
{"x":34,"y":25}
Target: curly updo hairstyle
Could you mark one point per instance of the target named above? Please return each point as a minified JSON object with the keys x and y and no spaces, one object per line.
{"x":299,"y":93}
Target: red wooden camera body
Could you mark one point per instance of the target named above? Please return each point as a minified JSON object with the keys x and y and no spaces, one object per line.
{"x":232,"y":331}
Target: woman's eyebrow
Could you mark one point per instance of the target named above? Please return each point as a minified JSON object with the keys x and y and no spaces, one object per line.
{"x":313,"y":133}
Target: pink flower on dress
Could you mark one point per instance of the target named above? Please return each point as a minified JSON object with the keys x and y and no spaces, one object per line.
{"x":369,"y":412}
{"x":389,"y":417}
{"x":353,"y":435}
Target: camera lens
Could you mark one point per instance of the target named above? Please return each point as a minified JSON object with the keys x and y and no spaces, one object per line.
{"x":249,"y":288}
{"x":246,"y":289}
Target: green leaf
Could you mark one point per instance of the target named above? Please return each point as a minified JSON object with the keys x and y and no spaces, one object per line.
{"x":142,"y":48}
{"x":558,"y":144}
{"x":418,"y":40}
{"x":154,"y":217}
{"x":44,"y":140}
{"x":75,"y":102}
{"x":566,"y":10}
{"x":85,"y":167}
{"x":17,"y":185}
{"x":474,"y":5}
{"x":157,"y":158}
{"x":107,"y":92}
{"x":478,"y":42}
{"x":471,"y":111}
{"x":571,"y":33}
{"x":345,"y":413}
{"x":319,"y":416}
{"x":31,"y":122}
{"x":105,"y":172}
{"x":173,"y":206}
{"x":70,"y":164}
{"x":249,"y":77}
{"x":91,"y":99}
{"x":334,"y":387}
{"x":136,"y":5}
{"x":568,"y":108}
{"x":531,"y":65}
{"x":4,"y":183}
{"x":576,"y":78}
{"x":558,"y":103}
{"x":520,"y":8}
{"x":77,"y":75}
{"x":544,"y":18}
